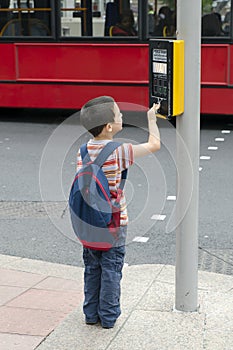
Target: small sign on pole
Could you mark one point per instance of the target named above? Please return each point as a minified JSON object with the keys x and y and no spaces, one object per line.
{"x":167,"y":76}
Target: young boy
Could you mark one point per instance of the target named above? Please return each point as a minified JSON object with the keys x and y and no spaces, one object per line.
{"x":103,"y":269}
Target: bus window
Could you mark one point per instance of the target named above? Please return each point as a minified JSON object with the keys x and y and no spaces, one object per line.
{"x":26,"y":18}
{"x":4,"y":14}
{"x":161,"y":19}
{"x":99,"y":18}
{"x":216,"y":18}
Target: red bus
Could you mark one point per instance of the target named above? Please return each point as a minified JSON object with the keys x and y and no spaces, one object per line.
{"x":59,"y":54}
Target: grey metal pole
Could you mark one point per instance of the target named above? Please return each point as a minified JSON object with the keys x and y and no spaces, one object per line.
{"x":188,"y":135}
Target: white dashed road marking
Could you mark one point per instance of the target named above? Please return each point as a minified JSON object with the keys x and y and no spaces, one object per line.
{"x":205,"y":157}
{"x":212,"y":148}
{"x":219,"y":139}
{"x":158,"y":217}
{"x":141,"y":239}
{"x":171,"y":198}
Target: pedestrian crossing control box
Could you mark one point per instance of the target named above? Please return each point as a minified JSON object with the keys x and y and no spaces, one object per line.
{"x":167,"y":76}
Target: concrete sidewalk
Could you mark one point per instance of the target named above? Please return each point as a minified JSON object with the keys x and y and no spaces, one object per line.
{"x":41,"y":308}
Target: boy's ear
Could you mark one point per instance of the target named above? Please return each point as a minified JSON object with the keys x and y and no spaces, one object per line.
{"x":109,"y":127}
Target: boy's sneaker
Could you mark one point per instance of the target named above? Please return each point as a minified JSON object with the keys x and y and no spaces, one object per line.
{"x":92,"y":322}
{"x":107,"y":326}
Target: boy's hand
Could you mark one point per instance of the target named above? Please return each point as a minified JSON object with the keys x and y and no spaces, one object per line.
{"x":153,"y":111}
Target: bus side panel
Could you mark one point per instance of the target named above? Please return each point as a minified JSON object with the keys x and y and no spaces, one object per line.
{"x":214,"y":64}
{"x":231,"y":66}
{"x":216,"y":100}
{"x":7,"y":62}
{"x":42,"y":75}
{"x":113,"y":63}
{"x":70,"y":96}
{"x":216,"y":79}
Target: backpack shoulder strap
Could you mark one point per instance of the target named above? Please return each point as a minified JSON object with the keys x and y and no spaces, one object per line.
{"x":105,"y":153}
{"x":102,"y":157}
{"x":84,"y":154}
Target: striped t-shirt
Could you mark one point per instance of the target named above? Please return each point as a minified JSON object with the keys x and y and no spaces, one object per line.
{"x":119,"y":160}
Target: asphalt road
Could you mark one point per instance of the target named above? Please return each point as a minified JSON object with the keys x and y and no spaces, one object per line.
{"x":37,"y":155}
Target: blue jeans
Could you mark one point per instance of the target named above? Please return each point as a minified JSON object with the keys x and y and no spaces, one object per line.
{"x":102,"y":277}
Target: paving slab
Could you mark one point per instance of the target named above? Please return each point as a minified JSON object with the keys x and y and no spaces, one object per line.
{"x":59,"y":284}
{"x":28,"y":321}
{"x":45,"y":268}
{"x":217,"y":340}
{"x":19,"y":342}
{"x":8,"y":293}
{"x":219,"y":311}
{"x":19,"y":278}
{"x":215,"y":282}
{"x":137,"y":284}
{"x":155,"y":330}
{"x":64,"y":301}
{"x":35,"y":296}
{"x":7,"y":259}
{"x":160,"y":297}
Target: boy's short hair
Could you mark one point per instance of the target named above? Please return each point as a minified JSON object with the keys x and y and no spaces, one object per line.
{"x":97,"y":113}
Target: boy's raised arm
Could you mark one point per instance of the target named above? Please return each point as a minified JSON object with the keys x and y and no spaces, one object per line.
{"x":153,"y":143}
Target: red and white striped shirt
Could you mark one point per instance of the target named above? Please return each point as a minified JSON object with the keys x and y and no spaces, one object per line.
{"x":118,"y":161}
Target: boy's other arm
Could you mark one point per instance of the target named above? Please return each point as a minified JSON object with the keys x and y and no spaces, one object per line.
{"x":153,"y":143}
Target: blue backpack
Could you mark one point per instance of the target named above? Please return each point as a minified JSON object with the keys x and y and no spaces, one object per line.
{"x":94,"y":218}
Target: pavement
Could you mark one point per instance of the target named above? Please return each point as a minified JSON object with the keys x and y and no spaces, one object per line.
{"x":41,"y":308}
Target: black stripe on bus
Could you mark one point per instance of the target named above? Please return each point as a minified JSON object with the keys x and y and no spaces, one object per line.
{"x":71,"y":83}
